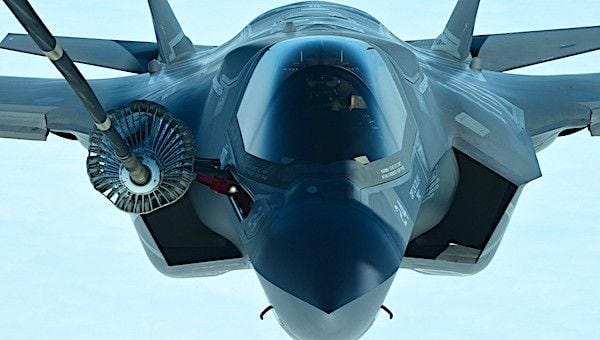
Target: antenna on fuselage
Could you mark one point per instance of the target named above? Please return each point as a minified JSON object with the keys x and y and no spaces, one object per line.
{"x":264,"y":312}
{"x":388,"y":311}
{"x":458,"y":34}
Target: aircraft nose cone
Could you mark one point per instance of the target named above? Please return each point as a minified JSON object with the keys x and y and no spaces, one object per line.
{"x":303,"y":321}
{"x":324,"y":255}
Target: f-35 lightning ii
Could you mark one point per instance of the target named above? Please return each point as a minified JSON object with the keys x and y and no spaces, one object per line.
{"x":315,"y":146}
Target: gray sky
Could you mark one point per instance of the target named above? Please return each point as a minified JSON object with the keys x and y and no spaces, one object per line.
{"x":64,"y":274}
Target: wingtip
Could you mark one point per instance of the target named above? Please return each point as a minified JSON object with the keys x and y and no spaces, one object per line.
{"x":5,"y":41}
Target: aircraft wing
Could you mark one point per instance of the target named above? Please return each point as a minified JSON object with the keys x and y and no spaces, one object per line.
{"x":128,"y":56}
{"x":504,"y":52}
{"x":32,"y":107}
{"x":552,"y":105}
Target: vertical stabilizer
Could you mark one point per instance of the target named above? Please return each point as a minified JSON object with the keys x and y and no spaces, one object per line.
{"x":458,"y":34}
{"x":172,"y":42}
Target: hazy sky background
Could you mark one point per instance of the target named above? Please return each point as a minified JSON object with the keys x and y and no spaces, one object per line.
{"x":72,"y":266}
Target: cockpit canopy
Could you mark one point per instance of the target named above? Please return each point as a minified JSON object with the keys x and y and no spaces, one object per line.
{"x":322,"y":99}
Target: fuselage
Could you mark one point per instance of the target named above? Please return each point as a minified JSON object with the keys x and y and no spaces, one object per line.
{"x":346,"y":138}
{"x":315,"y":147}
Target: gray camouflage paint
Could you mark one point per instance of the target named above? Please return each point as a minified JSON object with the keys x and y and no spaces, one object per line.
{"x":495,"y":118}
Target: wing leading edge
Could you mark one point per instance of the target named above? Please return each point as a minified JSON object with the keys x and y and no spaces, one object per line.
{"x":504,"y":52}
{"x":30,"y":108}
{"x":509,"y":51}
{"x":128,"y":56}
{"x":552,"y":105}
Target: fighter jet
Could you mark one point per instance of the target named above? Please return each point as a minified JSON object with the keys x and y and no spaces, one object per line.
{"x":315,"y":147}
